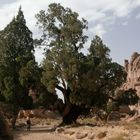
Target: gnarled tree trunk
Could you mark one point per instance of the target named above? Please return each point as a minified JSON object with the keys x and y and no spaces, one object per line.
{"x":68,"y":111}
{"x":14,"y":117}
{"x":70,"y":114}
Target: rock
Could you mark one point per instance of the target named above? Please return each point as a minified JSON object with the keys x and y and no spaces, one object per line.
{"x":132,"y":68}
{"x":20,"y":125}
{"x":81,"y":135}
{"x":25,"y":113}
{"x":39,"y":113}
{"x":59,"y":130}
{"x":91,"y":136}
{"x":124,"y":109}
{"x":51,"y":114}
{"x":69,"y":132}
{"x":102,"y":134}
{"x":114,"y":116}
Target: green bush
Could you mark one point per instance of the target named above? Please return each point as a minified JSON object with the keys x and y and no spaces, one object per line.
{"x":126,"y":97}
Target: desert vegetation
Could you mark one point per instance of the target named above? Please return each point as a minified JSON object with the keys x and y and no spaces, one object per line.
{"x":90,"y":82}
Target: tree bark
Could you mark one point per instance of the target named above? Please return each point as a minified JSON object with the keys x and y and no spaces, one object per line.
{"x":70,"y":114}
{"x":14,"y":117}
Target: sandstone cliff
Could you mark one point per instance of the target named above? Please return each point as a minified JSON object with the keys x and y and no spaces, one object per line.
{"x":132,"y":68}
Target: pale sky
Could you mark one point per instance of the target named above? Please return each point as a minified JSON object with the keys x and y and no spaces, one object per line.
{"x":116,"y":21}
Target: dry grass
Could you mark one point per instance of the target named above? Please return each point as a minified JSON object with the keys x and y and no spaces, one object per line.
{"x":92,"y":121}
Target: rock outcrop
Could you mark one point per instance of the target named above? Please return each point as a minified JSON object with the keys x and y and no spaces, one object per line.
{"x":39,"y":113}
{"x":132,"y":68}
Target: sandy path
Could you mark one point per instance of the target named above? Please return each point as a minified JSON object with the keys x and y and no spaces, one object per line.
{"x":38,"y":136}
{"x":112,"y":131}
{"x":38,"y":133}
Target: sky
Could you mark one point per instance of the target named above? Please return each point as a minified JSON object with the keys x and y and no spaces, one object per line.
{"x":117,"y":22}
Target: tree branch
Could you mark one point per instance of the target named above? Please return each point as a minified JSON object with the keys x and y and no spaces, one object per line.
{"x":64,"y":92}
{"x":60,"y":88}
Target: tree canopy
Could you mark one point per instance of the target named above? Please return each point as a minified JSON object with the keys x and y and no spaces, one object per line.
{"x":18,"y":69}
{"x":84,"y":80}
{"x":16,"y":46}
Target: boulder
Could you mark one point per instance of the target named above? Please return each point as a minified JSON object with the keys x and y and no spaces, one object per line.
{"x":124,"y":109}
{"x":102,"y":134}
{"x":80,"y":135}
{"x":91,"y":136}
{"x":69,"y":132}
{"x":114,"y":116}
{"x":60,"y":130}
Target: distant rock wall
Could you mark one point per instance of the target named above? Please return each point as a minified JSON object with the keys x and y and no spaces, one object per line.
{"x":132,"y":68}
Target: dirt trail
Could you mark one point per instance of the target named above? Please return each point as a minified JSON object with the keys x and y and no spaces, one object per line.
{"x":38,"y":134}
{"x":110,"y":131}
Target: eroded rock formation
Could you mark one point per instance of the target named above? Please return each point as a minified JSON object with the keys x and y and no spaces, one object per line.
{"x":132,"y":68}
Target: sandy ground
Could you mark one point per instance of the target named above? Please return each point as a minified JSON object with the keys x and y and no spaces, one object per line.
{"x":41,"y":129}
{"x":38,"y":135}
{"x":111,"y":131}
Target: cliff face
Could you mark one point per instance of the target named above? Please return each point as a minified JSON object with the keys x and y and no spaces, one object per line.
{"x":132,"y":68}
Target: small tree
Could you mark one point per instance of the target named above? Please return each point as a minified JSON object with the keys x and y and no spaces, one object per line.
{"x":16,"y":53}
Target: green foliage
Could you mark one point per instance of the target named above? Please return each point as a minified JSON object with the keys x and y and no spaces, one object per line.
{"x":26,"y":102}
{"x":63,"y":26}
{"x":99,"y":76}
{"x":126,"y":97}
{"x":83,"y":79}
{"x":2,"y":98}
{"x":29,"y":74}
{"x":45,"y":98}
{"x":16,"y":54}
{"x":64,"y":32}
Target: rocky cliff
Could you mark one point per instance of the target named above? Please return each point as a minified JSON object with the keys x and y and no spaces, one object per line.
{"x":132,"y":68}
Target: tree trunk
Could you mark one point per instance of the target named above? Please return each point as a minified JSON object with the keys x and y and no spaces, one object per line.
{"x":70,"y":114}
{"x":14,"y":118}
{"x":69,"y":111}
{"x":13,"y":121}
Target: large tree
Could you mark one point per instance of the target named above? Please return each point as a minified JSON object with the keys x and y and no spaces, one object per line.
{"x":16,"y":57}
{"x":83,"y":79}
